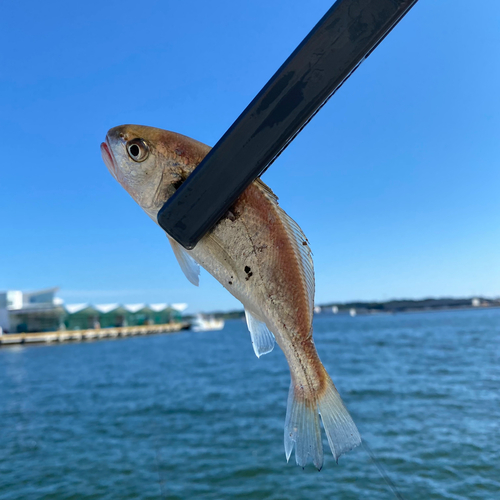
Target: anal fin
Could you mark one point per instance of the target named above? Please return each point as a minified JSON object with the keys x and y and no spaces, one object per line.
{"x":262,"y":338}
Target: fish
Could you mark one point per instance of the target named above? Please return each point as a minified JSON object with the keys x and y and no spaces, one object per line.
{"x":261,"y":256}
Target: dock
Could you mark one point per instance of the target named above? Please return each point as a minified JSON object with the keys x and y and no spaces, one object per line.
{"x":8,"y":339}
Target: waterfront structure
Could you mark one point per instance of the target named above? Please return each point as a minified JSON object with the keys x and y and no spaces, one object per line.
{"x":42,"y":311}
{"x":83,"y":316}
{"x":39,"y":311}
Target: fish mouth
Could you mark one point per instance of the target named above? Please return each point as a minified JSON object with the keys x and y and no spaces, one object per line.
{"x":107,"y":156}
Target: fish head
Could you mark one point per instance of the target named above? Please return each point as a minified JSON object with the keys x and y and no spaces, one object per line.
{"x":150,"y":163}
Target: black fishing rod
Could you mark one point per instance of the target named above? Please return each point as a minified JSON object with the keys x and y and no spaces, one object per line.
{"x":343,"y":38}
{"x":324,"y":60}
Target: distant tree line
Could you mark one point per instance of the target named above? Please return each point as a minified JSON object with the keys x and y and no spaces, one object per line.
{"x":390,"y":306}
{"x":402,"y":305}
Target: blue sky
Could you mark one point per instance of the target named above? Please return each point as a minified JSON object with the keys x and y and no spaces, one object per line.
{"x":395,"y":182}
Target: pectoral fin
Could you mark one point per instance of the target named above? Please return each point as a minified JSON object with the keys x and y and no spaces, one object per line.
{"x":189,"y":266}
{"x":262,"y":338}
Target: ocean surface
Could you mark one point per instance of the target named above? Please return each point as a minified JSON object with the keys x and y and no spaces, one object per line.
{"x":197,"y":415}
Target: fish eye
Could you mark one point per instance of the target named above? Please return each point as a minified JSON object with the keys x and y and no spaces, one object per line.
{"x":137,"y":149}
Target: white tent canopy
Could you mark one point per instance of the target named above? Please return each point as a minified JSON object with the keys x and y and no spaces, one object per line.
{"x":74,"y":308}
{"x":107,"y":308}
{"x":158,"y":307}
{"x":132,"y":308}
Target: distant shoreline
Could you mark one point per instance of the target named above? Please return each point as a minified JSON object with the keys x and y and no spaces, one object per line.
{"x":416,"y":310}
{"x":389,"y":307}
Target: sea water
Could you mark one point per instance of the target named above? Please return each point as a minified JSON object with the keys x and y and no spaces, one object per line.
{"x":198,"y":416}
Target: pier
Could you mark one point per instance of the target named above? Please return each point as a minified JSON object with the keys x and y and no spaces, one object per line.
{"x":90,"y":334}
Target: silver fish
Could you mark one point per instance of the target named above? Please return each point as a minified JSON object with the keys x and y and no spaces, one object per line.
{"x":261,"y":256}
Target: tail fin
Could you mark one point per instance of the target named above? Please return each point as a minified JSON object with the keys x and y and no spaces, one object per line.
{"x":302,"y":427}
{"x":340,"y":429}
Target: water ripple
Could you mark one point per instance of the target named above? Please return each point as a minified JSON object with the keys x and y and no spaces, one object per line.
{"x":196,"y":415}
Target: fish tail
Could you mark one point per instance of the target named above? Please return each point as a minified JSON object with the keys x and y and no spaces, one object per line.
{"x":302,"y":427}
{"x":340,"y":429}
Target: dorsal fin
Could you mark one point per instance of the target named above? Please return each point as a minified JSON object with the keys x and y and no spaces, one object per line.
{"x":299,"y":242}
{"x":266,"y":189}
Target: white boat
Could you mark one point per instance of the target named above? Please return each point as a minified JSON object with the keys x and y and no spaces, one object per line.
{"x":204,"y":324}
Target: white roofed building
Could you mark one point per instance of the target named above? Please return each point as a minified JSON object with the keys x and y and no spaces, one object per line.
{"x":42,"y":311}
{"x":39,"y":311}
